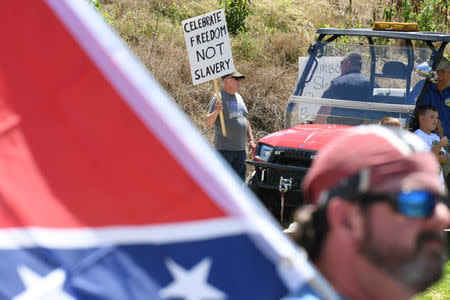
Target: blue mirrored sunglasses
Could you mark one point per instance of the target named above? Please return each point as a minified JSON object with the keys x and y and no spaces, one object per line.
{"x":415,"y":204}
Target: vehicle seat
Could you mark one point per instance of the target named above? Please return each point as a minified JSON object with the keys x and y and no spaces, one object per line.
{"x":395,"y":69}
{"x":392,"y":69}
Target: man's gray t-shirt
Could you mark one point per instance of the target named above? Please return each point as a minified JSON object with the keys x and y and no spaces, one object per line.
{"x":234,"y":114}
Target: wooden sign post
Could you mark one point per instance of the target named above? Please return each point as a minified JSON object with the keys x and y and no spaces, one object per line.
{"x":222,"y":121}
{"x":209,"y":50}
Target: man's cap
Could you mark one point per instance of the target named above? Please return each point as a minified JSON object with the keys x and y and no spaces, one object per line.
{"x":235,"y":74}
{"x":384,"y":159}
{"x":443,"y":64}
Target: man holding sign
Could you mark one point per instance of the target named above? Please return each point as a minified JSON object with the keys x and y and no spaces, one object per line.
{"x":210,"y":57}
{"x":231,"y":146}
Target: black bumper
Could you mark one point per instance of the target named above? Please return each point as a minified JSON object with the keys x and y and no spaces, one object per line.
{"x":268,"y":175}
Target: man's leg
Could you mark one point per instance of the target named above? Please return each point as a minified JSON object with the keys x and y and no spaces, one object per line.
{"x":236,"y":159}
{"x":239,"y":163}
{"x":230,"y":157}
{"x":227,"y":155}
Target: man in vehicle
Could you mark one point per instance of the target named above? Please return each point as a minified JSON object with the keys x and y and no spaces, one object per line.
{"x":232,"y":146}
{"x":351,"y":85}
{"x":377,"y":227}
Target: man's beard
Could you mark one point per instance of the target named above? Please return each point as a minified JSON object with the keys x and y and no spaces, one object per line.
{"x":416,"y":268}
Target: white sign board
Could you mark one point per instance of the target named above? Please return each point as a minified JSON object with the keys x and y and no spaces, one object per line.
{"x":307,"y":112}
{"x":328,"y":68}
{"x":208,"y":46}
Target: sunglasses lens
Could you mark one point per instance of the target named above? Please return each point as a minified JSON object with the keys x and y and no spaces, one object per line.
{"x":416,"y":204}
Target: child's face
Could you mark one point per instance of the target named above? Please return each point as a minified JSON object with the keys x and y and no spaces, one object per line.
{"x":429,"y":120}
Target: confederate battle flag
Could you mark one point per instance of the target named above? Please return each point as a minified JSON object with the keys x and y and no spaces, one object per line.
{"x":107,"y":191}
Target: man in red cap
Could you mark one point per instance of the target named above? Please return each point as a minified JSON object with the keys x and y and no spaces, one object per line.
{"x":376,"y":229}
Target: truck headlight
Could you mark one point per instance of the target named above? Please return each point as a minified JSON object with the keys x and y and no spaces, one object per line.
{"x":264,"y":152}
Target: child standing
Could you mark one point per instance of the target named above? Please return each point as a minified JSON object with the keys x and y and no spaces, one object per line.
{"x":428,"y":121}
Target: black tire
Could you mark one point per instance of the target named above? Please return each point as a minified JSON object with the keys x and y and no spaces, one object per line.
{"x":263,"y":195}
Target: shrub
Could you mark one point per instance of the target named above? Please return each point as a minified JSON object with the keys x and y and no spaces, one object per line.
{"x":236,"y":12}
{"x":431,"y":15}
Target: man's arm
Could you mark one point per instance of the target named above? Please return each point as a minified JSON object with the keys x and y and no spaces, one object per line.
{"x":251,"y":141}
{"x":211,"y":118}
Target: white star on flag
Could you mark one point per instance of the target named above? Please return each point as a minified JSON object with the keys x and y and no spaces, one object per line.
{"x":192,"y":284}
{"x":46,"y":287}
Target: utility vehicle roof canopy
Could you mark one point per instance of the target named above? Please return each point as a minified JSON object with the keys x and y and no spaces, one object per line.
{"x":408,"y":35}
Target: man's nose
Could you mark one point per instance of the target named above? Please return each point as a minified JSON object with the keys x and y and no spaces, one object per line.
{"x":440,"y":219}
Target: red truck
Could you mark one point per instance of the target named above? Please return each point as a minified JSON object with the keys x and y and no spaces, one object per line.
{"x":326,"y":101}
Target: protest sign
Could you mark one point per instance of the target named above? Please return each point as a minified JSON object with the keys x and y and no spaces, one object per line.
{"x":209,"y":50}
{"x":328,"y":68}
{"x":208,"y":46}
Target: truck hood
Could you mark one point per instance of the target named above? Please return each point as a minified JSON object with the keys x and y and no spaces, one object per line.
{"x":305,"y":136}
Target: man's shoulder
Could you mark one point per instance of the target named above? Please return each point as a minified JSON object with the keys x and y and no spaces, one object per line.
{"x":349,"y":78}
{"x":336,"y":82}
{"x":239,"y":97}
{"x":446,"y":91}
{"x":358,"y":75}
{"x":434,"y":91}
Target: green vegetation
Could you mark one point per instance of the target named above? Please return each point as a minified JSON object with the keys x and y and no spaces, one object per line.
{"x":94,"y":3}
{"x":236,"y":12}
{"x":431,"y":15}
{"x":268,"y":37}
{"x":439,"y":291}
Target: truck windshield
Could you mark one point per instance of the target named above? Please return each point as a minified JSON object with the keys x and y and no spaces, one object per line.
{"x":356,"y":84}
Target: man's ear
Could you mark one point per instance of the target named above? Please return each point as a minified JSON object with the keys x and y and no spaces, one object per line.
{"x":346,"y":218}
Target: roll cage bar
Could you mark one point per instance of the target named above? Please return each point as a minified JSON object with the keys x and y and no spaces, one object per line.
{"x":332,"y":34}
{"x":328,"y":35}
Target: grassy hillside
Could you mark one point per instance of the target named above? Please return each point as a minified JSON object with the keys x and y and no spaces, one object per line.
{"x":277,"y":32}
{"x":267,"y":53}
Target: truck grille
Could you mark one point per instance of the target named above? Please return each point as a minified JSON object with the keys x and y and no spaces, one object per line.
{"x":270,"y":177}
{"x":293,"y":157}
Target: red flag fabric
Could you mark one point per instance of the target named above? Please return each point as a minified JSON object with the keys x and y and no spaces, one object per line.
{"x":107,"y":191}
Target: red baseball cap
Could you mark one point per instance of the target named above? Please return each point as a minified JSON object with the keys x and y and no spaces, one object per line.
{"x":387,"y":160}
